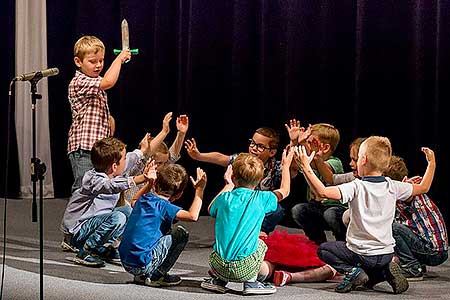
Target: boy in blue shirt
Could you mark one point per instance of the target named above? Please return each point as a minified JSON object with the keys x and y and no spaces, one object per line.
{"x":239,"y":210}
{"x":144,"y":251}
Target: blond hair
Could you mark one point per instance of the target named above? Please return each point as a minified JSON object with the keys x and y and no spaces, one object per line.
{"x":248,"y":170}
{"x":378,"y":151}
{"x":87,"y":44}
{"x":327,"y":134}
{"x":397,"y":169}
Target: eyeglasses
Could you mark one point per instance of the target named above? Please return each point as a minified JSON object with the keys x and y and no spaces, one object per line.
{"x":259,"y":147}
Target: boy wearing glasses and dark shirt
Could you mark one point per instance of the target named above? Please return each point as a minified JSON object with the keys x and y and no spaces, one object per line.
{"x":263,"y":144}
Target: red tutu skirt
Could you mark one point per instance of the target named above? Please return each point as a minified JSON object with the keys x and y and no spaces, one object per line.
{"x":292,"y":251}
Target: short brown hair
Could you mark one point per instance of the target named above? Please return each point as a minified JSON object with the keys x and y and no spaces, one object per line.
{"x":87,"y":44}
{"x":171,"y":180}
{"x":248,"y":169}
{"x":357,"y":142}
{"x":326,"y":133}
{"x":397,"y":169}
{"x":378,"y":151}
{"x":105,"y":152}
{"x":270,"y":133}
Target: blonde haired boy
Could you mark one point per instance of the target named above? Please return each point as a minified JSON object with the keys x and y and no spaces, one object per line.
{"x":91,"y":120}
{"x":367,"y":254}
{"x":239,"y":211}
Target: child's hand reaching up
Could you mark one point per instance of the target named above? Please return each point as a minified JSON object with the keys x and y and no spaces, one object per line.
{"x":191,"y":148}
{"x":200,"y":181}
{"x":150,"y":171}
{"x":182,"y":123}
{"x":228,"y":174}
{"x":429,"y":154}
{"x":287,"y":156}
{"x":293,"y":130}
{"x":303,"y":157}
{"x":144,"y":145}
{"x":166,"y":122}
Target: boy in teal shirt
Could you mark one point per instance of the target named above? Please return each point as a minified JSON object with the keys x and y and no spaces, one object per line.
{"x":239,"y":211}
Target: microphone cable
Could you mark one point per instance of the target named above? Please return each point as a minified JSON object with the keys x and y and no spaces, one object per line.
{"x":8,"y":135}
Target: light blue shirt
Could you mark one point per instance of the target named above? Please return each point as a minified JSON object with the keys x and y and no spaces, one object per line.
{"x":239,"y":215}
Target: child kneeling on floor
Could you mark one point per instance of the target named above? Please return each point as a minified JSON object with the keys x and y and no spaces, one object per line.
{"x":239,"y":210}
{"x":144,"y":251}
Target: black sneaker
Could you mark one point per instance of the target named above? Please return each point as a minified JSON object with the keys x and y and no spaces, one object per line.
{"x":215,"y":285}
{"x":396,"y":279}
{"x":166,"y":280}
{"x":356,"y":277}
{"x":258,"y":288}
{"x":86,"y":258}
{"x":111,"y":255}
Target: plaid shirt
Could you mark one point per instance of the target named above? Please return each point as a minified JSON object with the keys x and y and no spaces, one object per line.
{"x":423,"y":217}
{"x":90,"y":112}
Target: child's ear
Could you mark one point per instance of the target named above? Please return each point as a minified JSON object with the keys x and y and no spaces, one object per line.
{"x":326,"y":148}
{"x":77,"y":61}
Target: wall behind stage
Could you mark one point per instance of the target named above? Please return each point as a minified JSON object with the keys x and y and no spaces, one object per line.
{"x":368,"y":67}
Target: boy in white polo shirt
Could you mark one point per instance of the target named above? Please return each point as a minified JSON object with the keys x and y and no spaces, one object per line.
{"x":367,"y":254}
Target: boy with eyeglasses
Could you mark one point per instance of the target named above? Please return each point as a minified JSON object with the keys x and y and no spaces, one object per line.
{"x":263,"y":144}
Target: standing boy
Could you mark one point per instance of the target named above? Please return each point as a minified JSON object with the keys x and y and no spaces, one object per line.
{"x":91,"y":120}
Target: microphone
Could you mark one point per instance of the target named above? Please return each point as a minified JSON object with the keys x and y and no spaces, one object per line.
{"x":37,"y":75}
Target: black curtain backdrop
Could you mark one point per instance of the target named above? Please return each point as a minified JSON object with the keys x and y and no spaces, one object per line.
{"x":368,"y":67}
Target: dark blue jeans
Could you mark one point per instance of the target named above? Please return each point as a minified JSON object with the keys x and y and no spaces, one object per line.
{"x":314,"y":218}
{"x":414,"y":251}
{"x":337,"y":255}
{"x":272,"y":219}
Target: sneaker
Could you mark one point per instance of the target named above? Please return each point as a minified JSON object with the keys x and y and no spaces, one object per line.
{"x":66,"y":244}
{"x":258,"y":288}
{"x":166,"y":280}
{"x":215,"y":285}
{"x":142,"y":279}
{"x":396,"y":279}
{"x":111,"y":255}
{"x":356,"y":277}
{"x":411,"y":276}
{"x":280,"y":278}
{"x":85,"y":257}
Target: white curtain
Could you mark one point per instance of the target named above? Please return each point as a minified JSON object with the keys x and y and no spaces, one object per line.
{"x":31,"y":55}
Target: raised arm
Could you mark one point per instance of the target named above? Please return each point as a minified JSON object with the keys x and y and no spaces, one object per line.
{"x":159,"y":138}
{"x":182,"y":123}
{"x":324,"y":168}
{"x":194,"y":211}
{"x":112,"y":74}
{"x":330,"y":192}
{"x":424,"y":186}
{"x":285,"y":186}
{"x":210,"y":157}
{"x":229,"y":185}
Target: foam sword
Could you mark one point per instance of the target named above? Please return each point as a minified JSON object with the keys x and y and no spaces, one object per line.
{"x":125,"y":40}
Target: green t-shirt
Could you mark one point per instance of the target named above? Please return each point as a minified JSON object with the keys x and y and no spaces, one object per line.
{"x":337,"y":167}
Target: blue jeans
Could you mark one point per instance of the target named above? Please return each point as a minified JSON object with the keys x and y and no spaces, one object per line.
{"x":414,"y":251}
{"x":337,"y":255}
{"x":164,"y":255}
{"x":272,"y":219}
{"x":102,"y":229}
{"x":314,"y":218}
{"x":80,"y":161}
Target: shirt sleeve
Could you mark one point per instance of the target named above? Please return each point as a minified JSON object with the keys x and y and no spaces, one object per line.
{"x":170,"y":211}
{"x":343,"y":178}
{"x":98,"y":184}
{"x":88,"y":86}
{"x":216,"y":204}
{"x":348,"y":191}
{"x":271,"y":201}
{"x":403,"y":190}
{"x":336,"y":165}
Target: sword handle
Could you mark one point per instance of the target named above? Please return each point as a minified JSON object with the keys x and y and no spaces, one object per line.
{"x":133,"y":51}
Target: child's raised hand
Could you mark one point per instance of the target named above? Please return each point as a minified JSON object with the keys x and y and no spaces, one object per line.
{"x":166,"y":121}
{"x":144,"y":145}
{"x":191,"y":148}
{"x":304,"y":158}
{"x":228,"y":174}
{"x":182,"y":123}
{"x":200,"y":181}
{"x":293,"y":129}
{"x":304,"y":134}
{"x":287,"y":156}
{"x":150,"y":171}
{"x":124,"y":55}
{"x":413,"y":180}
{"x":429,"y":154}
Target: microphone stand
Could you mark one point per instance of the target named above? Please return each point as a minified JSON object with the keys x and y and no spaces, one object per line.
{"x":38,"y":169}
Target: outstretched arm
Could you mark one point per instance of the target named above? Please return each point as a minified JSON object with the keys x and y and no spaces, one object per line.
{"x":194,"y":211}
{"x":210,"y":157}
{"x":285,"y":186}
{"x":330,"y":192}
{"x":424,"y":186}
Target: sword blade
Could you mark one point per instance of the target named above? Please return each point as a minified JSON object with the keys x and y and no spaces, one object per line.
{"x":125,"y":35}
